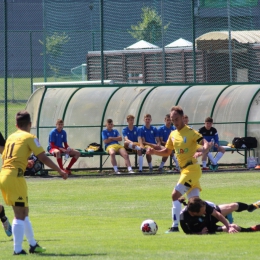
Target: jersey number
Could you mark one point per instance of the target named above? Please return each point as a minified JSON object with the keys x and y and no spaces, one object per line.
{"x":10,"y":155}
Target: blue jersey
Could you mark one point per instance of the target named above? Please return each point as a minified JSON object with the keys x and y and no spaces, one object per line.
{"x":112,"y":133}
{"x":149,"y":135}
{"x":132,"y":135}
{"x":58,"y":138}
{"x":164,"y":132}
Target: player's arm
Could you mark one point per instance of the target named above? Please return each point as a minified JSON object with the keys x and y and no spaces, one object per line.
{"x":158,"y":141}
{"x":203,"y":149}
{"x":164,"y":152}
{"x":117,"y":138}
{"x":47,"y":161}
{"x":222,"y":219}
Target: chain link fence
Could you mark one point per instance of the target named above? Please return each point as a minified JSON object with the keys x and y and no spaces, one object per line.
{"x":137,"y":41}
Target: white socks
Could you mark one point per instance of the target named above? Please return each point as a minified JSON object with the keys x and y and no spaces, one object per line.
{"x":18,"y":233}
{"x":218,"y":156}
{"x":129,"y":168}
{"x":162,"y":164}
{"x":176,"y":161}
{"x":150,"y":165}
{"x":140,"y":162}
{"x":176,"y":211}
{"x":28,"y":230}
{"x":115,"y":168}
{"x":212,"y":159}
{"x":216,"y":159}
{"x":204,"y":164}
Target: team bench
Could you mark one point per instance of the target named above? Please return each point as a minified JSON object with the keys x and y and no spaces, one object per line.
{"x":238,"y":150}
{"x":84,"y":153}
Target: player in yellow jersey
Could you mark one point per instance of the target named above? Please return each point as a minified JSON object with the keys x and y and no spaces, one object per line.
{"x":18,"y":148}
{"x":184,"y":141}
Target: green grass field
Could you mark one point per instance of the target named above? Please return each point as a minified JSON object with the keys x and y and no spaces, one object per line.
{"x":100,"y":218}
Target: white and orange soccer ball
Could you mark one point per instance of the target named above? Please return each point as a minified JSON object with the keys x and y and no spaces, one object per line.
{"x":149,"y":227}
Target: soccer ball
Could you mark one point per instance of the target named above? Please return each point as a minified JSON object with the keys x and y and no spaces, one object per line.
{"x":149,"y":227}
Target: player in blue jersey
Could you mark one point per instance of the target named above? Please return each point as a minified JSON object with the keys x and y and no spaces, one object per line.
{"x":148,"y":136}
{"x":164,"y":132}
{"x":130,"y":134}
{"x":211,"y":134}
{"x":58,"y":144}
{"x":111,"y":138}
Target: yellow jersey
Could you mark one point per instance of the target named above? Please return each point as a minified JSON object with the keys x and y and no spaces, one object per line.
{"x":185,"y":143}
{"x":18,"y":148}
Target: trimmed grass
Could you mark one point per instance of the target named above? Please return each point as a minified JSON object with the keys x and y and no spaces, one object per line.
{"x":100,"y":218}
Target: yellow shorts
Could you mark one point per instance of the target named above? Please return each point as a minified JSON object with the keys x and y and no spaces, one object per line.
{"x":14,"y":190}
{"x":190,"y":177}
{"x":115,"y":147}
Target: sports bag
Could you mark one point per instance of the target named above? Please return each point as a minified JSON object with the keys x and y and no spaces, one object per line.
{"x":245,"y":142}
{"x":94,"y":147}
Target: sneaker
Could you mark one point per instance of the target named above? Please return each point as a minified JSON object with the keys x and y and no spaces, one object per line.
{"x":253,"y":206}
{"x":131,"y":171}
{"x":7,"y":227}
{"x":205,"y":168}
{"x":143,"y":151}
{"x":140,"y":171}
{"x":256,"y":228}
{"x":170,"y":171}
{"x":160,"y":170}
{"x":36,"y":249}
{"x":20,"y":253}
{"x":177,"y":169}
{"x":117,"y":172}
{"x":172,"y":229}
{"x":151,"y":169}
{"x":215,"y":167}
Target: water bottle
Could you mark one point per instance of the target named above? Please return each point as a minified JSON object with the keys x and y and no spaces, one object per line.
{"x":67,"y":156}
{"x":213,"y":144}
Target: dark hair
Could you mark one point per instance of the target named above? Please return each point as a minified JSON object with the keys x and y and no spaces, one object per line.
{"x":147,"y":115}
{"x":23,"y":119}
{"x":109,"y":121}
{"x":195,"y":204}
{"x":59,"y":121}
{"x":209,"y":120}
{"x":167,"y":116}
{"x":177,"y":109}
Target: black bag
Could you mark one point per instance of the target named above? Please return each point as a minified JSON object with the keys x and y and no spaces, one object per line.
{"x":95,"y":147}
{"x":37,"y":166}
{"x":245,"y":142}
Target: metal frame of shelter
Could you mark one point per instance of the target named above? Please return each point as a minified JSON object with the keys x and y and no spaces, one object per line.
{"x":85,"y":108}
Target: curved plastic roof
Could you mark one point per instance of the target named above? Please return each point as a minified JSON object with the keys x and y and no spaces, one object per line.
{"x":240,"y":36}
{"x":234,"y":108}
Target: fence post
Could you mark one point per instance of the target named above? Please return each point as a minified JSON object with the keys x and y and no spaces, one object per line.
{"x":5,"y":67}
{"x":102,"y":41}
{"x":193,"y":42}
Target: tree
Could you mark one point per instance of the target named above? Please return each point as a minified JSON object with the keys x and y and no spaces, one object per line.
{"x":150,"y":28}
{"x":54,"y":45}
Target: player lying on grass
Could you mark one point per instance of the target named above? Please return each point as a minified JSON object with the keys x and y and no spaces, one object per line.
{"x":201,"y":217}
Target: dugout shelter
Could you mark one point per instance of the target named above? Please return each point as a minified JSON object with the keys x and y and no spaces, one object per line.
{"x":85,"y":108}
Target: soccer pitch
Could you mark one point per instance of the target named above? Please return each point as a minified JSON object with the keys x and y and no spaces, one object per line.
{"x":100,"y":218}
